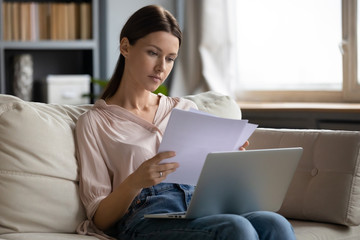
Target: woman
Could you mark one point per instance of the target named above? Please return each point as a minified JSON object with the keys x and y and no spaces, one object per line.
{"x":121,"y":178}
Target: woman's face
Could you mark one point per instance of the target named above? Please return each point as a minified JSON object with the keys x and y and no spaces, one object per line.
{"x":150,"y":60}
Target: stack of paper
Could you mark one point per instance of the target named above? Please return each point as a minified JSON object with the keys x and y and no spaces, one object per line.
{"x":193,"y":134}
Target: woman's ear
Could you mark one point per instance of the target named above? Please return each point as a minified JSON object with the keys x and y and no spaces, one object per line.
{"x":124,"y":46}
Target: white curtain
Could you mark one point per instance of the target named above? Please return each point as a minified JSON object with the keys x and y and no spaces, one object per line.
{"x":207,"y":59}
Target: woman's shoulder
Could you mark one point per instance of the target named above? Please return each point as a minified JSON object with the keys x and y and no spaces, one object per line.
{"x":180,"y":102}
{"x":92,"y":115}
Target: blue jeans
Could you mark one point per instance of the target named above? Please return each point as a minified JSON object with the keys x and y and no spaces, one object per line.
{"x":167,"y":197}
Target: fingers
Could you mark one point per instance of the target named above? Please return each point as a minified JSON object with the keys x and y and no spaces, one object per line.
{"x":161,"y":156}
{"x":243,"y":147}
{"x":163,"y":170}
{"x":149,"y":173}
{"x":156,"y":171}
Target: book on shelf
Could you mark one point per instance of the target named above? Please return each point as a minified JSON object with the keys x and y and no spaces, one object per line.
{"x":7,"y":22}
{"x":44,"y":20}
{"x":34,"y":22}
{"x":24,"y":21}
{"x":72,"y":21}
{"x":15,"y":16}
{"x":53,"y":21}
{"x":85,"y":20}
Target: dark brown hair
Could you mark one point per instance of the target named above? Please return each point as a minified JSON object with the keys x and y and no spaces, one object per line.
{"x":144,"y":21}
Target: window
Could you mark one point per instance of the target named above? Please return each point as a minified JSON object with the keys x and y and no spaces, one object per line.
{"x":297,"y":50}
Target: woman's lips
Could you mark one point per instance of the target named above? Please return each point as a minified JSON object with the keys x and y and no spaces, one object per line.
{"x":156,"y":78}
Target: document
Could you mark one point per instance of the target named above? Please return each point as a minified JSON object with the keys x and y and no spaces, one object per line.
{"x":193,"y":134}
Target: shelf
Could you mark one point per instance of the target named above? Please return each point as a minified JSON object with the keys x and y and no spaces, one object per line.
{"x":80,"y":44}
{"x":80,"y":56}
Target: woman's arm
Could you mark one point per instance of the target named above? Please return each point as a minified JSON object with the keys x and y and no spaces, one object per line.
{"x":115,"y":205}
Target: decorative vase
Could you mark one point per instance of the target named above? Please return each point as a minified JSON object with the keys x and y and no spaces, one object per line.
{"x":23,"y":76}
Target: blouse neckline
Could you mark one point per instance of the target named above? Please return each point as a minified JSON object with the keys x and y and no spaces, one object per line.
{"x":121,"y":112}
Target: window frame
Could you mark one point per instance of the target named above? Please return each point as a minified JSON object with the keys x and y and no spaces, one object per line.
{"x":351,"y":88}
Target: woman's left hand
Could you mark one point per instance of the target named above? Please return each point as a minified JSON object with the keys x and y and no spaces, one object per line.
{"x":243,"y":147}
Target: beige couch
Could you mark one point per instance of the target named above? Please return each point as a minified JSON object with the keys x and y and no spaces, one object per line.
{"x":39,"y":173}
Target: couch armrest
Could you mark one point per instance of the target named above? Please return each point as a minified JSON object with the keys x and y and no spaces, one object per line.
{"x":326,"y":185}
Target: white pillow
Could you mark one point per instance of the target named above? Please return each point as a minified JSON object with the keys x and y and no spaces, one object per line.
{"x":38,"y":168}
{"x":217,"y":104}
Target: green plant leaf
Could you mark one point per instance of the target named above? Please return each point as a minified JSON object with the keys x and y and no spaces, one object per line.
{"x":162,"y":89}
{"x":101,"y":82}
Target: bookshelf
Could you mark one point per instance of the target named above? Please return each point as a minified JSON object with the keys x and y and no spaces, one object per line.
{"x":67,"y":42}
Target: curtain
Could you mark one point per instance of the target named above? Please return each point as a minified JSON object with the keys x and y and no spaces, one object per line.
{"x":207,"y":58}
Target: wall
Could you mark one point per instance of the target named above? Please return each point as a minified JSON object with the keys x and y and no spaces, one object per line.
{"x":113,"y":15}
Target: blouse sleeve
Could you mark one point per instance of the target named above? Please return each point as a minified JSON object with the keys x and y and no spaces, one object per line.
{"x":95,"y":183}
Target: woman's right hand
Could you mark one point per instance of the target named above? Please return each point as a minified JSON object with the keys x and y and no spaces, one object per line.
{"x":152,"y":172}
{"x":115,"y":205}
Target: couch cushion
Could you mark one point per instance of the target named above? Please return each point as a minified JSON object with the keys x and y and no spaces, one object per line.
{"x":45,"y":236}
{"x":38,"y":168}
{"x":307,"y":230}
{"x":326,"y":184}
{"x":217,"y":104}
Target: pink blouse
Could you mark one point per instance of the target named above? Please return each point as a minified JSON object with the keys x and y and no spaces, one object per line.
{"x":112,"y":143}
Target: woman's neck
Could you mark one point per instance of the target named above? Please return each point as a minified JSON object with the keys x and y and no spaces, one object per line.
{"x":142,"y":103}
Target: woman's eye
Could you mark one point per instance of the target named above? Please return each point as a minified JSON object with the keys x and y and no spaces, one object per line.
{"x":152,"y":53}
{"x":170,"y":59}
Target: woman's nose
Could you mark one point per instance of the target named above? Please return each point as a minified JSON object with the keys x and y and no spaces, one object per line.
{"x":160,"y":66}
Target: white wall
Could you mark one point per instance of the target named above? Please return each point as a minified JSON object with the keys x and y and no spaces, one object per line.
{"x":113,"y":15}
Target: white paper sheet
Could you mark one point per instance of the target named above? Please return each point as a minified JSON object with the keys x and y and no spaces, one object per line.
{"x":194,"y":134}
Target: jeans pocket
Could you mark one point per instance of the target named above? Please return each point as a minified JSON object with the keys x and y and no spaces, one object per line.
{"x":188,"y":191}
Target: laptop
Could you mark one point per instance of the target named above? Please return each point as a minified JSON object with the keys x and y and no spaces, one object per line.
{"x":240,"y":182}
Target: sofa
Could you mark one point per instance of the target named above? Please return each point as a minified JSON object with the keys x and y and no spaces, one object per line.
{"x":39,"y":172}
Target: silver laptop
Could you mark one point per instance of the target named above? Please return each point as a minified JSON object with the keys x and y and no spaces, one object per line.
{"x":240,"y":182}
